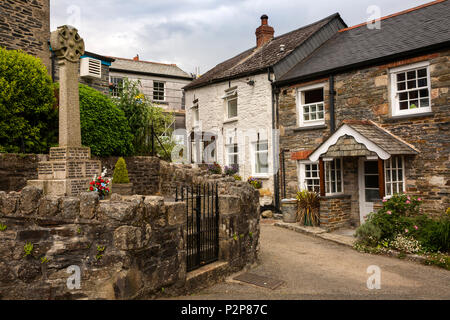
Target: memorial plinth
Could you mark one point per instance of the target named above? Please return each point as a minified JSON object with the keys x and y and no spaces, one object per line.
{"x":70,"y":168}
{"x":68,"y":172}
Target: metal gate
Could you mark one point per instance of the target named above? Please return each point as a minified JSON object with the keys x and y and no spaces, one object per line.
{"x":202,"y":223}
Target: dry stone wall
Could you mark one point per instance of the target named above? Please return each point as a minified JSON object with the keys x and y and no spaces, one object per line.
{"x":126,"y":247}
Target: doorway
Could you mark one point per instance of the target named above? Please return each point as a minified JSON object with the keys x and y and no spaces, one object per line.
{"x":369,"y":187}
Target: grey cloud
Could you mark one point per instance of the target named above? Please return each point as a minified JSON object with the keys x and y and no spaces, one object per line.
{"x":199,"y":32}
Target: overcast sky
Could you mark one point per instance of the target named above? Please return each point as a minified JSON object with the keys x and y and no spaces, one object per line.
{"x":199,"y":33}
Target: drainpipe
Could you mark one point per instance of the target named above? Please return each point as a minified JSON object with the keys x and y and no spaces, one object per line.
{"x":283,"y":169}
{"x":332,"y":113}
{"x":276,"y":181}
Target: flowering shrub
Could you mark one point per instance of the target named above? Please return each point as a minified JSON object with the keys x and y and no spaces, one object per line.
{"x":232,"y":170}
{"x":399,"y":225}
{"x":406,"y":244}
{"x":214,"y":168}
{"x":257,"y":184}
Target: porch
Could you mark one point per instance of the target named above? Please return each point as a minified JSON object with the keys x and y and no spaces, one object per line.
{"x":358,"y":166}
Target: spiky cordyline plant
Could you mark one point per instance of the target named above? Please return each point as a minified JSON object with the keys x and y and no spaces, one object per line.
{"x":308,"y":207}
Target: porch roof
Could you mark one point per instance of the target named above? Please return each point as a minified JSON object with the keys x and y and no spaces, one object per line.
{"x":370,"y":135}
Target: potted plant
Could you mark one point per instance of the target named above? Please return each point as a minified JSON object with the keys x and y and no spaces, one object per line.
{"x":308,"y":208}
{"x":257,"y":184}
{"x":231,"y":170}
{"x":214,"y":168}
{"x":120,"y":182}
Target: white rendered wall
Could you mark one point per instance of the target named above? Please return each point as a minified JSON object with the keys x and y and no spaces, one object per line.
{"x":254,"y":114}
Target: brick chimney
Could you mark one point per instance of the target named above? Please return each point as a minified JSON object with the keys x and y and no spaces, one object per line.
{"x":136,"y":58}
{"x":264,"y":33}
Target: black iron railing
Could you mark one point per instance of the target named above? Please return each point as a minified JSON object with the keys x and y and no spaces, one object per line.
{"x":202,"y":223}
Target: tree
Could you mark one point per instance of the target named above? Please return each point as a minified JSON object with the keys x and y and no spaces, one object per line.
{"x":28,"y":117}
{"x":142,"y":115}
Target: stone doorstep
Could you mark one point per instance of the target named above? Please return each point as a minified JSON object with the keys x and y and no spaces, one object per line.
{"x":219,"y":266}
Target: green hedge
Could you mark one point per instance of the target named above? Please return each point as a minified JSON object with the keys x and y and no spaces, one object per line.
{"x":104,"y":127}
{"x":28,"y":119}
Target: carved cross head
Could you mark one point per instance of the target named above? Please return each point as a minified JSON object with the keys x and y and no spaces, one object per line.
{"x":67,"y":44}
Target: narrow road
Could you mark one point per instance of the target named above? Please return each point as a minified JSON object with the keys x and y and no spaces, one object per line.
{"x":314,"y":268}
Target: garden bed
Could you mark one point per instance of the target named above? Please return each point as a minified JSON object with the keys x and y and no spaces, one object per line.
{"x":401,"y":229}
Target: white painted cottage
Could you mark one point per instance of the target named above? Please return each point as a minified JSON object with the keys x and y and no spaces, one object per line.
{"x":231,"y":111}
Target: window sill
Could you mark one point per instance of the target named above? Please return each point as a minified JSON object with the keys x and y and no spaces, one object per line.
{"x":409,"y":116}
{"x":160,"y":102}
{"x":264,"y":177}
{"x":337,"y":196}
{"x":230,"y":120}
{"x":306,"y":128}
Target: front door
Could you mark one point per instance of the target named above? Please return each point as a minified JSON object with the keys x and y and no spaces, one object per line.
{"x":369,"y":187}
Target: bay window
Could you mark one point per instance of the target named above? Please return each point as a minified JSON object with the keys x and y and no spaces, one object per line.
{"x":394,"y":173}
{"x":309,"y":176}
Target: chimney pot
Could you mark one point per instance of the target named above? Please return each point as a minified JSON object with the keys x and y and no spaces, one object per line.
{"x":136,"y":58}
{"x":264,"y":19}
{"x":264,"y":33}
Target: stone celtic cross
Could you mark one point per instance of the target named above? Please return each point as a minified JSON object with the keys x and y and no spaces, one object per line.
{"x":68,"y":47}
{"x":70,"y":168}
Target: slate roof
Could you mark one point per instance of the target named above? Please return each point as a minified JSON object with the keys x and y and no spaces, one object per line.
{"x":407,"y":31}
{"x":381,"y":137}
{"x":259,"y":59}
{"x":156,"y":68}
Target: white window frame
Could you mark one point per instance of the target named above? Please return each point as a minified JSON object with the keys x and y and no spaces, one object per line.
{"x":230,"y":95}
{"x":395,"y":98}
{"x":195,"y":116}
{"x":302,"y":174}
{"x":328,"y":181}
{"x":386,"y":182}
{"x":228,"y":154}
{"x":300,"y":106}
{"x":158,"y":91}
{"x":254,"y":152}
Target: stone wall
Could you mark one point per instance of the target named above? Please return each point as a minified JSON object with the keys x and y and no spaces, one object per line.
{"x":142,"y":171}
{"x":126,"y":247}
{"x":334,"y":212}
{"x":364,"y":94}
{"x":25,"y":25}
{"x":16,"y":169}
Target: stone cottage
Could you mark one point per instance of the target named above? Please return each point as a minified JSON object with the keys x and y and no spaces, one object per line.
{"x":367,"y":116}
{"x":230,"y":113}
{"x":161,"y":83}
